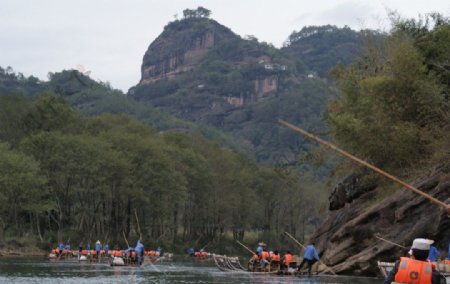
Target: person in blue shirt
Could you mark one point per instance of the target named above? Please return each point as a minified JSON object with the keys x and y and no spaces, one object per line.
{"x":68,"y":247}
{"x":310,"y":257}
{"x":106,"y":249}
{"x":191,"y":251}
{"x":88,"y":247}
{"x":139,"y":249}
{"x":98,"y":248}
{"x":260,"y":248}
{"x":61,"y":248}
{"x":433,"y":254}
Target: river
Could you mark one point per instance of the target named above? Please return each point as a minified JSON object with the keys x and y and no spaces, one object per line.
{"x":37,"y":270}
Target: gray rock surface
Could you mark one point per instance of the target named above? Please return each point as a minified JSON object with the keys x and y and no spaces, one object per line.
{"x":347,"y":236}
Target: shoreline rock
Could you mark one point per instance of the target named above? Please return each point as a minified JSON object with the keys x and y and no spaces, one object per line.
{"x":347,"y":239}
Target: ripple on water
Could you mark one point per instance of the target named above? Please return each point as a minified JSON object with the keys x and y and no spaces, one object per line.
{"x":23,"y":270}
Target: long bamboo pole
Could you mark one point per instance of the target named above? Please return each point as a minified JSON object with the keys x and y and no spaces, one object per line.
{"x":128,"y":245}
{"x":137,"y":221}
{"x":388,"y":241}
{"x":301,"y":245}
{"x":244,"y":246}
{"x":364,"y":163}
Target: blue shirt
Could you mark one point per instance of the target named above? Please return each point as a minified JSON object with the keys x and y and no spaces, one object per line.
{"x":139,"y":247}
{"x":311,"y":253}
{"x":88,"y":247}
{"x":259,"y":250}
{"x":98,"y":247}
{"x":434,"y":253}
{"x":61,"y":246}
{"x":106,"y":247}
{"x":68,"y":247}
{"x":191,"y":251}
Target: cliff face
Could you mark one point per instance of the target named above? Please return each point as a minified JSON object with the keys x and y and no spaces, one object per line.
{"x":168,"y":68}
{"x":181,"y":47}
{"x":347,"y":236}
{"x":185,"y":44}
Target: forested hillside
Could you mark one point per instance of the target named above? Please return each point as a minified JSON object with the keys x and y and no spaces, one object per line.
{"x":322,"y":47}
{"x":67,"y":176}
{"x":200,"y":71}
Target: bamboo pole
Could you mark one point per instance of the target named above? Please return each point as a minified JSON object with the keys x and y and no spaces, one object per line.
{"x":301,"y":245}
{"x":388,"y":241}
{"x":137,"y":221}
{"x":126,"y":241}
{"x":364,"y":163}
{"x":249,"y":250}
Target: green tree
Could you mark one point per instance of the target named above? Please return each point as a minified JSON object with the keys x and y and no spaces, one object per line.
{"x":22,"y":191}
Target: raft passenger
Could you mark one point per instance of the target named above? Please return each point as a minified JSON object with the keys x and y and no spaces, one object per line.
{"x":415,"y":269}
{"x":287,"y":259}
{"x":434,"y":254}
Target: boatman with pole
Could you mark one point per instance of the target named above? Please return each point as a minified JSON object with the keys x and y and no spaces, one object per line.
{"x":310,"y":257}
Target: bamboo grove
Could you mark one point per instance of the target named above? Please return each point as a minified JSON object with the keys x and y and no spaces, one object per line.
{"x":64,"y":176}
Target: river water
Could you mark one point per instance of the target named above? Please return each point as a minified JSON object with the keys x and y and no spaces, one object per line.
{"x":37,"y":270}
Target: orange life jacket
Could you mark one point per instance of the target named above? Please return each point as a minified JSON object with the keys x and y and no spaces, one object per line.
{"x":197,"y":253}
{"x":93,"y":252}
{"x":413,"y":271}
{"x":255,"y":257}
{"x":133,"y":254}
{"x":84,"y":252}
{"x":447,"y":261}
{"x":276,"y":257}
{"x":118,"y":253}
{"x":203,"y":253}
{"x":264,"y":255}
{"x":287,"y":258}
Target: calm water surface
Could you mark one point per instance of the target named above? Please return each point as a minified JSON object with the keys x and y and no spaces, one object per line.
{"x":34,"y":270}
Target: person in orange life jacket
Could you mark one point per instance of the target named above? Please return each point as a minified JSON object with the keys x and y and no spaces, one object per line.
{"x":255,"y":260}
{"x":275,"y":256}
{"x":287,"y":259}
{"x":264,"y":257}
{"x":416,"y":269}
{"x":310,"y":257}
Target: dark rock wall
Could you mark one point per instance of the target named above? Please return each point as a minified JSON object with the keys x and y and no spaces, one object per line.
{"x":347,"y":237}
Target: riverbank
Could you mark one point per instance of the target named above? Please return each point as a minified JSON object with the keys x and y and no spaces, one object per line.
{"x":15,"y":248}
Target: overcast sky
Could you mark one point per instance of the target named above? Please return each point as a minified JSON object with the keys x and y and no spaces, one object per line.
{"x":110,"y":37}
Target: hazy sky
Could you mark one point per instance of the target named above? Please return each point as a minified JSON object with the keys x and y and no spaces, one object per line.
{"x":110,"y":37}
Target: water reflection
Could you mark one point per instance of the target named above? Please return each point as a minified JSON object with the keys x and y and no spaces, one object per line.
{"x":25,"y":270}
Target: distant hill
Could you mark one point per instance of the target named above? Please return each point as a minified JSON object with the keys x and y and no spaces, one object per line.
{"x":198,"y":75}
{"x":199,"y":70}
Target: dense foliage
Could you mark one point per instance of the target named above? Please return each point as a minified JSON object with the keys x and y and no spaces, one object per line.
{"x":63,"y":175}
{"x":395,"y":105}
{"x":322,"y":47}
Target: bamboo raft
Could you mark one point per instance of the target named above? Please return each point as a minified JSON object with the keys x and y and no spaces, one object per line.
{"x":233,"y":265}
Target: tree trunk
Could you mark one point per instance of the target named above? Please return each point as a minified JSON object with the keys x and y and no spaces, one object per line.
{"x":38,"y":227}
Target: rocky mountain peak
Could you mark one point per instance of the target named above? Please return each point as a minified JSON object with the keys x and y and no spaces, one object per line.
{"x":181,"y":46}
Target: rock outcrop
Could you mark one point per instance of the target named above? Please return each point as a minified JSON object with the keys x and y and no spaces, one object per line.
{"x":180,"y":48}
{"x":347,"y":237}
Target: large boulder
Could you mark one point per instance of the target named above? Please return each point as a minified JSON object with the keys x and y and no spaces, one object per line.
{"x":347,"y":238}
